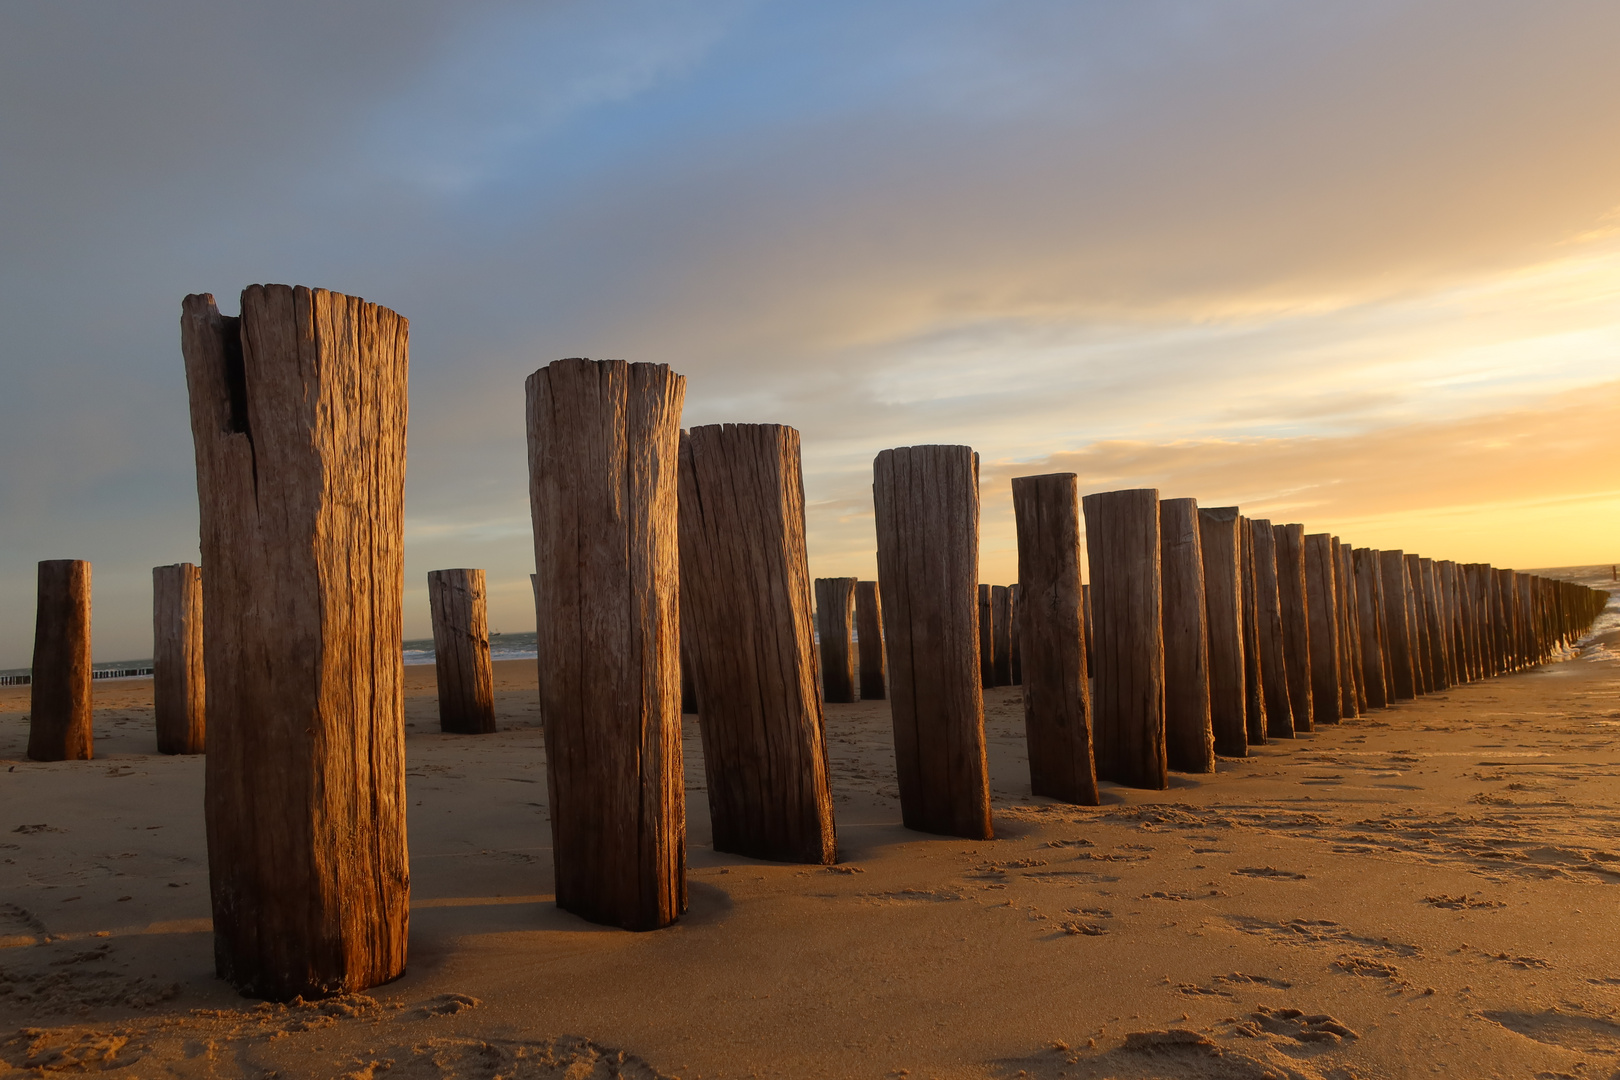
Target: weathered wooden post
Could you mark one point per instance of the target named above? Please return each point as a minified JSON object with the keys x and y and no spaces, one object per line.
{"x":1223,"y":616}
{"x":466,"y":681}
{"x":745,"y":589}
{"x":987,"y":637}
{"x":1397,"y":632}
{"x":1254,"y":691}
{"x":59,"y":711}
{"x":926,"y":500}
{"x":1352,"y":694}
{"x":1122,"y":544}
{"x":869,"y":629}
{"x":178,"y":699}
{"x":1001,"y":617}
{"x":1372,"y":648}
{"x":1051,"y":630}
{"x":604,"y":439}
{"x":1434,"y":626}
{"x":1189,"y":739}
{"x":1296,"y":622}
{"x":1091,"y":660}
{"x":835,"y":624}
{"x":298,"y":418}
{"x":1422,"y":673}
{"x":1014,"y":598}
{"x":1321,"y":595}
{"x":1273,"y":654}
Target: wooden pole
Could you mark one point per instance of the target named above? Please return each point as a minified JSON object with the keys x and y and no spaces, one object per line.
{"x":604,"y":450}
{"x":298,"y":418}
{"x":745,"y":589}
{"x":1122,"y":545}
{"x":835,"y":623}
{"x":1254,"y":693}
{"x":1397,"y":632}
{"x":59,"y":710}
{"x":1001,"y":616}
{"x":1296,"y":624}
{"x":1352,"y":694}
{"x":1434,"y":625}
{"x":869,"y":628}
{"x":987,"y":637}
{"x":1051,"y":632}
{"x":1188,"y":735}
{"x":1014,"y":598}
{"x":1422,"y":674}
{"x":1091,"y":660}
{"x":178,"y":700}
{"x":1223,"y":615}
{"x":1372,"y":647}
{"x":461,"y":651}
{"x":926,"y":500}
{"x":1322,"y":617}
{"x":1273,"y":653}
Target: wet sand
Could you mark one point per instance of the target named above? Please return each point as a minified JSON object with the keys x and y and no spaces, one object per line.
{"x":1429,"y":890}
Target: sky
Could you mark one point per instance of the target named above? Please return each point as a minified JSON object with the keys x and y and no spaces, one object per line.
{"x":1351,"y":264}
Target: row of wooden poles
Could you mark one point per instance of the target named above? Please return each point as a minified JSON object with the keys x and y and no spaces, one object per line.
{"x":1205,"y":635}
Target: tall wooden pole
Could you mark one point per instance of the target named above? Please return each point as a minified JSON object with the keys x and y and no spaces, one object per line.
{"x":1001,"y":613}
{"x":1014,"y":598}
{"x":59,"y":710}
{"x":926,"y":500}
{"x":1051,"y":630}
{"x":178,"y":700}
{"x":1220,"y":547}
{"x":298,"y":418}
{"x":604,"y":439}
{"x":835,"y":623}
{"x":1372,"y":648}
{"x":987,"y":636}
{"x":461,"y":663}
{"x":1296,"y":622}
{"x":1322,"y":617}
{"x":1422,"y":674}
{"x":1434,"y":621}
{"x":1122,"y":545}
{"x":1352,"y":694}
{"x":1254,"y":691}
{"x":1188,"y":735}
{"x":745,"y":589}
{"x":1273,"y":653}
{"x":1397,"y":632}
{"x":869,"y":629}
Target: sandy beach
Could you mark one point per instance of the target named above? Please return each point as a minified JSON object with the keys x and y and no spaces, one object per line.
{"x":1427,"y":890}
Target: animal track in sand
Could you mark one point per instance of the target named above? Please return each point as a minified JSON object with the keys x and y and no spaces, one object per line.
{"x":1588,"y":1034}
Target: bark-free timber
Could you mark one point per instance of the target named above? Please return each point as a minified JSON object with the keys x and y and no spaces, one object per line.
{"x":1372,"y":642}
{"x":1122,"y":543}
{"x":59,"y":710}
{"x":1321,"y":605}
{"x":298,"y":418}
{"x":987,"y":636}
{"x":1397,"y":632}
{"x":1296,"y":622}
{"x":926,"y":500}
{"x":1273,"y":653}
{"x":869,"y":629}
{"x":1051,"y":632}
{"x":745,"y":589}
{"x":835,"y":622}
{"x":461,"y":651}
{"x":604,"y":441}
{"x":1001,"y":614}
{"x":178,"y":700}
{"x":1254,"y":692}
{"x":1221,"y":548}
{"x":1189,"y":741}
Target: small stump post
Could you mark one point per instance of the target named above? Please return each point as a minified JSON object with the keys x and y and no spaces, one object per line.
{"x":1254,"y":690}
{"x":835,"y":622}
{"x":1296,"y":626}
{"x":604,"y":439}
{"x":1322,"y":616}
{"x":745,"y":588}
{"x":1223,"y":615}
{"x":59,"y":709}
{"x":926,"y":500}
{"x":1001,"y":614}
{"x":987,"y":637}
{"x":1189,"y":740}
{"x":1372,"y":643}
{"x":869,"y":632}
{"x":178,"y":701}
{"x":1051,"y":635}
{"x":298,"y":419}
{"x":461,"y":651}
{"x":1273,"y":651}
{"x":1122,"y":544}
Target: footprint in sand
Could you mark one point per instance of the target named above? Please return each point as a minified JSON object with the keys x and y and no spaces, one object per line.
{"x":1267,"y":872}
{"x":1572,"y":1031}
